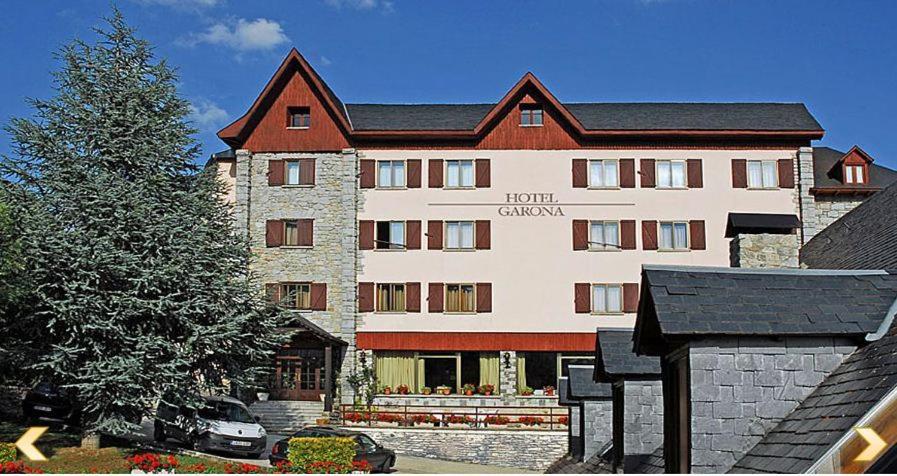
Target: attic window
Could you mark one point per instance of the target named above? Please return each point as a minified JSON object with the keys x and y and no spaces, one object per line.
{"x":530,"y":115}
{"x":299,"y":118}
{"x":855,"y":174}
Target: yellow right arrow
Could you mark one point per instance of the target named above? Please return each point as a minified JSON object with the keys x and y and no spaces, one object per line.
{"x":25,"y":443}
{"x":876,"y":444}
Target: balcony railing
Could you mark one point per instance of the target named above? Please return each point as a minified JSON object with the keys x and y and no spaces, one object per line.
{"x":545,"y":418}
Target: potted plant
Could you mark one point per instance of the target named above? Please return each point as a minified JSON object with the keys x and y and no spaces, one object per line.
{"x":549,"y":390}
{"x":526,"y":391}
{"x":563,"y":421}
{"x":468,"y":389}
{"x":531,"y":420}
{"x":487,"y":389}
{"x":422,"y":418}
{"x":387,"y":390}
{"x":403,"y":389}
{"x":426,"y":390}
{"x":496,"y":420}
{"x":458,"y":419}
{"x":443,"y":390}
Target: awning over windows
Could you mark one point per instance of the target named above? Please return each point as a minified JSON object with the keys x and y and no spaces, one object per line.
{"x":775,"y":223}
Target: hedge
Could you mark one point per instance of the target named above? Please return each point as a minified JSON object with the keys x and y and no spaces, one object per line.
{"x":339,"y":451}
{"x":7,"y":452}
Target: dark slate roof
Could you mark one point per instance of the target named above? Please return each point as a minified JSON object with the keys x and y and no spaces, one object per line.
{"x":614,"y":357}
{"x":596,"y":116}
{"x":300,"y":322}
{"x":866,"y":237}
{"x":685,"y":302}
{"x":652,"y":463}
{"x":761,"y":223}
{"x":825,"y":157}
{"x":583,"y":386}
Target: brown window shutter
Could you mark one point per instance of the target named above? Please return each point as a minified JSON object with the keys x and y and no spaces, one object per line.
{"x":318,"y":296}
{"x":580,"y":173}
{"x":484,"y":234}
{"x":627,"y":234}
{"x":698,"y":239}
{"x":412,"y":234}
{"x":306,"y":232}
{"x":627,"y":173}
{"x":413,"y":171}
{"x":647,"y":173}
{"x":272,"y":292}
{"x":275,"y":173}
{"x":307,"y":172}
{"x":580,"y":235}
{"x":739,"y":173}
{"x":412,"y":297}
{"x":786,"y":173}
{"x":582,"y":298}
{"x":366,"y":235}
{"x":630,"y":297}
{"x":649,"y":235}
{"x":695,"y":173}
{"x":434,"y":298}
{"x":484,"y":297}
{"x":274,"y":233}
{"x":434,"y":173}
{"x":484,"y":173}
{"x":368,"y":177}
{"x":365,"y":297}
{"x":434,"y":235}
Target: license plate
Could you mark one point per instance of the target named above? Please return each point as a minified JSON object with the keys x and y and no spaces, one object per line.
{"x":240,"y":443}
{"x":43,"y":408}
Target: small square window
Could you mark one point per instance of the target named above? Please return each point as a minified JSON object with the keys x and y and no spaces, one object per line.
{"x":292,"y":176}
{"x":673,"y":235}
{"x":459,"y":235}
{"x":295,"y":296}
{"x":670,"y":174}
{"x":291,"y":233}
{"x":390,"y":174}
{"x":604,"y":174}
{"x":390,"y":235}
{"x":390,"y":298}
{"x":607,"y":298}
{"x":762,"y":174}
{"x":459,"y":174}
{"x":530,"y":115}
{"x":459,"y":298}
{"x":299,"y":117}
{"x":604,"y":235}
{"x":854,"y":174}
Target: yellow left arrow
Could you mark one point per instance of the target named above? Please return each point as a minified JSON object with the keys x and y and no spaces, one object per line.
{"x":25,"y":443}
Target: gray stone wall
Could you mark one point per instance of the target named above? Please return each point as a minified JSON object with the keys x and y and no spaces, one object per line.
{"x":642,"y":416}
{"x":596,"y":424}
{"x":741,"y":388}
{"x":507,"y":384}
{"x":764,"y":250}
{"x":806,"y":203}
{"x":829,"y":209}
{"x":574,"y":431}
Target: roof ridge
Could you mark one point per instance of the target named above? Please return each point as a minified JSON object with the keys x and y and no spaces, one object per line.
{"x":765,"y":271}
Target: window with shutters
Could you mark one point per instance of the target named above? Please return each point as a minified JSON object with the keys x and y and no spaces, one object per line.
{"x":604,"y":235}
{"x":762,"y":174}
{"x":459,"y":174}
{"x":391,"y":298}
{"x":855,"y":174}
{"x":459,"y":235}
{"x":291,"y":233}
{"x":673,"y":235}
{"x":604,"y":173}
{"x":390,"y":174}
{"x":670,"y":174}
{"x":607,"y":298}
{"x":530,"y":115}
{"x":296,"y":296}
{"x":390,"y":235}
{"x":460,"y":298}
{"x":291,"y":167}
{"x":299,"y":118}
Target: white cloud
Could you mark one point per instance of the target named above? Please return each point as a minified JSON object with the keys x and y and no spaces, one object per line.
{"x":326,"y":61}
{"x":206,"y":114}
{"x":241,"y":35}
{"x":385,"y":5}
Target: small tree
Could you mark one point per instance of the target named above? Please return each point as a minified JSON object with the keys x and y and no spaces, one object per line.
{"x":364,"y":384}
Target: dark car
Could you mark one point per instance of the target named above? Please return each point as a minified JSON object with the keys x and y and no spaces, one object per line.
{"x":47,"y":403}
{"x":380,"y":458}
{"x":217,"y":424}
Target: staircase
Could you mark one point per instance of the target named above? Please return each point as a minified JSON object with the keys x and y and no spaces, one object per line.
{"x":286,"y":416}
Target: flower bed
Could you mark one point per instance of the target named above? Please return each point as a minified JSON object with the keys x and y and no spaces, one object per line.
{"x":496,"y":420}
{"x":531,"y":420}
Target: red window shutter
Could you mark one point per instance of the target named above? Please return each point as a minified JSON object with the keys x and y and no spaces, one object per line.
{"x":274,"y":233}
{"x":786,"y":173}
{"x":366,"y":235}
{"x":627,"y":173}
{"x":275,"y":173}
{"x":412,"y":297}
{"x":434,"y":235}
{"x":580,"y":173}
{"x":649,"y":235}
{"x":739,"y":173}
{"x":307,"y":172}
{"x":306,"y":232}
{"x":434,"y":171}
{"x":627,"y":234}
{"x":698,"y":239}
{"x":318,"y":296}
{"x":582,"y":298}
{"x":272,"y":292}
{"x":695,"y":173}
{"x":413,"y":171}
{"x":365,"y":297}
{"x":647,"y":173}
{"x":630,"y":297}
{"x":580,"y":235}
{"x":484,"y":234}
{"x":434,"y":298}
{"x":484,"y":297}
{"x":484,"y":173}
{"x":368,"y":177}
{"x":412,"y":234}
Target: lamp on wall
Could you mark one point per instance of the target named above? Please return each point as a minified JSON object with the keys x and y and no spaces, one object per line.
{"x":507,"y":358}
{"x":363,"y":358}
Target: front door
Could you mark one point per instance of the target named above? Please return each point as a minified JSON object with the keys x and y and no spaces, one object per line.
{"x":298,"y":374}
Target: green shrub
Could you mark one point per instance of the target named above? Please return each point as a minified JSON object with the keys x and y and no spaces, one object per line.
{"x":7,"y":452}
{"x":338,"y":451}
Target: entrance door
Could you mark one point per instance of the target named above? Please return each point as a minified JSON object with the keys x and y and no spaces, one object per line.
{"x":298,"y":374}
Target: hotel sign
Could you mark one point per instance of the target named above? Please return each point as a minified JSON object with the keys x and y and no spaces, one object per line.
{"x":532,"y":204}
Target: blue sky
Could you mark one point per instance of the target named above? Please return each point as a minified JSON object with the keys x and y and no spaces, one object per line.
{"x":837,"y":57}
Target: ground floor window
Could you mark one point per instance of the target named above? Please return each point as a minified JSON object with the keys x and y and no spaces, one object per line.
{"x":433,"y":370}
{"x":537,"y":370}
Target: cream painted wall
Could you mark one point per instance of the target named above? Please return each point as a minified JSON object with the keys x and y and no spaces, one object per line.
{"x":532,"y":265}
{"x":227,"y":173}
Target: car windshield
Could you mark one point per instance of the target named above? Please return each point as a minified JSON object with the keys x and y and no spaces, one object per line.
{"x":224,"y":411}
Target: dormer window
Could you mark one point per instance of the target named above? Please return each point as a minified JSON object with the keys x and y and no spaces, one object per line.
{"x":530,"y":115}
{"x":299,"y":118}
{"x":855,"y":174}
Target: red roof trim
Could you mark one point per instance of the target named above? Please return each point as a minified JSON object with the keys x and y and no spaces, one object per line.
{"x":481,"y":341}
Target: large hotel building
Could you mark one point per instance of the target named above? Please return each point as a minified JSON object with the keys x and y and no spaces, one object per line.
{"x":447,"y":244}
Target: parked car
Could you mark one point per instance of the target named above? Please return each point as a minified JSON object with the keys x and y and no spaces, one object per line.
{"x":47,"y":403}
{"x":218,"y":424}
{"x":380,"y":458}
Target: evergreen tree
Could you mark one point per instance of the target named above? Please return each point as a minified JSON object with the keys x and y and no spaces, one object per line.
{"x":139,"y":285}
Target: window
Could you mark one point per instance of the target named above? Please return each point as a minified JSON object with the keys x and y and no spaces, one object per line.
{"x":390,"y":298}
{"x":290,"y":233}
{"x":540,"y":369}
{"x":295,"y":296}
{"x":459,"y":235}
{"x":292,"y":172}
{"x":459,"y":298}
{"x":670,"y":174}
{"x":391,"y":174}
{"x":390,"y":235}
{"x":854,"y":174}
{"x":673,"y":235}
{"x":460,"y":173}
{"x":439,"y":370}
{"x":530,"y":115}
{"x":604,"y":235}
{"x":299,"y":118}
{"x":603,"y":174}
{"x":762,"y":174}
{"x":607,"y":298}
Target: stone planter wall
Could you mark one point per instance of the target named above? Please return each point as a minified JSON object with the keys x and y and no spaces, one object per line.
{"x":463,"y":401}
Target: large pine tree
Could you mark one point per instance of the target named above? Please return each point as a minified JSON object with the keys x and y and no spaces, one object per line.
{"x":138,"y":284}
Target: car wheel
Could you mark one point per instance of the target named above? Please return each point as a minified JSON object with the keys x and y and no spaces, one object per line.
{"x":159,"y":432}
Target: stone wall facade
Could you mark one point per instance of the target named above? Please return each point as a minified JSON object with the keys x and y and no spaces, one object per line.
{"x":575,"y":433}
{"x":829,"y":209}
{"x":741,"y":388}
{"x":596,"y":425}
{"x":764,"y":250}
{"x":642,"y":419}
{"x":805,"y":200}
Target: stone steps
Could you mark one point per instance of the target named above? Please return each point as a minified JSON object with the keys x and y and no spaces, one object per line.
{"x":283,"y":417}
